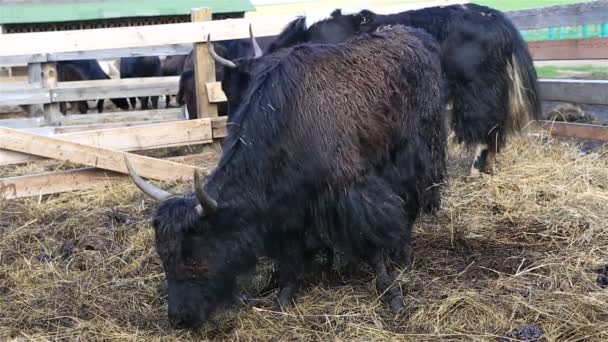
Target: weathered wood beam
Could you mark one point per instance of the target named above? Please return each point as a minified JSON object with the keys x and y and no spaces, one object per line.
{"x":569,"y":49}
{"x":115,"y":88}
{"x":150,"y":40}
{"x":92,"y":119}
{"x":72,"y":180}
{"x":577,"y":91}
{"x":592,"y":12}
{"x":172,"y":134}
{"x":575,"y":130}
{"x":106,"y":159}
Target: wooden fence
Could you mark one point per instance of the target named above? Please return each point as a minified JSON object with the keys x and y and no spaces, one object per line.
{"x":100,"y":141}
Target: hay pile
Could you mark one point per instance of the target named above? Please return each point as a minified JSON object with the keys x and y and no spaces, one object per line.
{"x":522,"y":246}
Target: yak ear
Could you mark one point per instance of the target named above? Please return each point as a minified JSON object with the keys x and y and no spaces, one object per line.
{"x":366,"y":17}
{"x":336,"y":13}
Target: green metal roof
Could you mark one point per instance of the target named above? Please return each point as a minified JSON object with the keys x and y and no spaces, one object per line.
{"x":22,"y":13}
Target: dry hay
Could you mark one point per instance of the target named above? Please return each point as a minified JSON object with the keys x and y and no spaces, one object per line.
{"x":569,"y":113}
{"x":519,"y":247}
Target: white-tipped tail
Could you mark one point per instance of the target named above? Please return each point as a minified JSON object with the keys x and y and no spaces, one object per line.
{"x":519,"y":111}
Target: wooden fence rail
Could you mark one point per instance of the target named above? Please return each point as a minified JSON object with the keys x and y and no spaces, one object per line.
{"x":592,"y":12}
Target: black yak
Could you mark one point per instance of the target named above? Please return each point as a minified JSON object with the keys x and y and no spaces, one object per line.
{"x":333,"y":147}
{"x":230,"y":50}
{"x":85,"y":70}
{"x":135,"y":67}
{"x":173,"y":66}
{"x":490,"y":76}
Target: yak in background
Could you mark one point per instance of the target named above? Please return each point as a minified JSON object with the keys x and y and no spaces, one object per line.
{"x":489,"y":73}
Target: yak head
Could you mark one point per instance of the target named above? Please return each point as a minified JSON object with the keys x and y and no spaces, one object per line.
{"x":334,"y":29}
{"x":236,"y":74}
{"x":200,"y":251}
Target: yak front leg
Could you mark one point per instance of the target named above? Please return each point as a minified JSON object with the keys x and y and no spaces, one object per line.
{"x":384,"y":281}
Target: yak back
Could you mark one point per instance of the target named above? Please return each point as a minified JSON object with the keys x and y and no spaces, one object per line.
{"x":319,"y":118}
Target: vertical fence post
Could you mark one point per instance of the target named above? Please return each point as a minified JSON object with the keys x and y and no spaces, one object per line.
{"x":49,"y":81}
{"x":204,"y":69}
{"x":604,"y":30}
{"x":34,"y":76}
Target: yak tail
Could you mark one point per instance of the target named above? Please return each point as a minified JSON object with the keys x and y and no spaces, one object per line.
{"x":524,"y":101}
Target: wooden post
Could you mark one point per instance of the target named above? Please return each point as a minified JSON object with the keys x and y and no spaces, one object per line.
{"x":49,"y":80}
{"x":34,"y":73}
{"x":204,"y":69}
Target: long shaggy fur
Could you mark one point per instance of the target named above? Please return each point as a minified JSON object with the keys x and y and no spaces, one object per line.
{"x":490,"y":77}
{"x":333,"y":146}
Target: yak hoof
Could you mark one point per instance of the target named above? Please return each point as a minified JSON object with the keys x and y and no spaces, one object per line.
{"x":474,"y":173}
{"x":285,"y":298}
{"x":245,"y":299}
{"x":396,"y":303}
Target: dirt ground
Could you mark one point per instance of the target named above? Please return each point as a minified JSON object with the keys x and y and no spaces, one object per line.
{"x":520,"y":251}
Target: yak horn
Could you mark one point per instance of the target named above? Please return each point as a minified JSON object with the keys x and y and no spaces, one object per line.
{"x":207,"y":205}
{"x":257,"y":51}
{"x":147,"y":188}
{"x":223,"y":61}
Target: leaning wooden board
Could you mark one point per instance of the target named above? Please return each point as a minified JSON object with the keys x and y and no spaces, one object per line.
{"x":170,"y":134}
{"x":93,"y":156}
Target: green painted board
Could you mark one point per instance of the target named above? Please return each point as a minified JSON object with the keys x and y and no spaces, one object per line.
{"x":45,"y":12}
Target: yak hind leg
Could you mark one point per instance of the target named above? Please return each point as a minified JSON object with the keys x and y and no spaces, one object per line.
{"x":480,"y":160}
{"x":154,"y":100}
{"x":384,"y":283}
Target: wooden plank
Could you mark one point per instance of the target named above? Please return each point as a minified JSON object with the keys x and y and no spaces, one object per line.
{"x":54,"y":148}
{"x":577,"y":91}
{"x":204,"y":69}
{"x":141,"y":115}
{"x":215,"y":94}
{"x":72,"y":180}
{"x":98,"y":119}
{"x":163,"y":50}
{"x":24,"y":94}
{"x":34,"y":72}
{"x":54,"y":182}
{"x":44,"y":43}
{"x":149,"y":40}
{"x":49,"y":81}
{"x":569,"y":49}
{"x":593,"y":12}
{"x":576,"y":130}
{"x":137,"y":138}
{"x":115,"y":88}
{"x":219,"y":127}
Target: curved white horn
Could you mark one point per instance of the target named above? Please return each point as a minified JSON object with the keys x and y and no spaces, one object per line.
{"x":257,"y":51}
{"x":207,"y":204}
{"x":223,"y":61}
{"x":147,"y":188}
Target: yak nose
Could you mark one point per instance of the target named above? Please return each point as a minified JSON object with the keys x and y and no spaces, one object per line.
{"x":183,"y":321}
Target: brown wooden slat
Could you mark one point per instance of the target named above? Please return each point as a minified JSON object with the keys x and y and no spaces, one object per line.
{"x":592,"y":12}
{"x":575,"y":130}
{"x":569,"y":49}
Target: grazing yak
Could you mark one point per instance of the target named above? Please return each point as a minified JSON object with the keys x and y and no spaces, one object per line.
{"x":490,"y":76}
{"x":173,"y":66}
{"x":229,"y":50}
{"x":134,"y":67}
{"x":333,"y":147}
{"x":85,"y":70}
